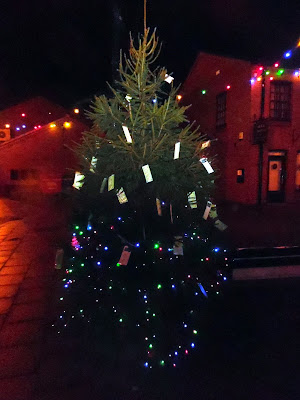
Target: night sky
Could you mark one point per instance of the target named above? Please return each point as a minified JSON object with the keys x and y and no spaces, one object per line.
{"x":65,"y":50}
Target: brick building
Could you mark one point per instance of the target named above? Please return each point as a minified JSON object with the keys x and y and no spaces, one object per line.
{"x":227,"y":101}
{"x":35,"y":154}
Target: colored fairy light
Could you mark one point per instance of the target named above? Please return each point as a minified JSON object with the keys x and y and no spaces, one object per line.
{"x":52,"y":125}
{"x":7,"y":126}
{"x":156,"y":246}
{"x":203,"y":91}
{"x":259,"y":79}
{"x":39,"y":126}
{"x":146,"y":364}
{"x":118,"y":264}
{"x":154,"y":101}
{"x":35,"y":127}
{"x":77,"y":227}
{"x":296,"y":73}
{"x":252,"y":81}
{"x":23,"y":115}
{"x":185,"y":325}
{"x":145,"y":296}
{"x":89,"y":227}
{"x":195,"y":332}
{"x":160,"y":249}
{"x":120,"y":320}
{"x":267,"y":72}
{"x":186,"y":352}
{"x":179,"y":97}
{"x":105,"y":248}
{"x":98,"y":263}
{"x":150,"y":346}
{"x":261,"y":68}
{"x":216,"y":249}
{"x":76,"y":110}
{"x":174,"y":365}
{"x":173,"y":286}
{"x":224,"y":278}
{"x":82,"y":264}
{"x":193,"y":345}
{"x":162,"y":363}
{"x":276,"y":65}
{"x":228,"y":87}
{"x":119,"y":218}
{"x":176,"y":353}
{"x":17,"y":128}
{"x":271,"y":78}
{"x":67,"y":124}
{"x":137,"y":245}
{"x":298,"y":44}
{"x":287,"y":54}
{"x":280,"y":71}
{"x":80,"y":233}
{"x":159,"y":286}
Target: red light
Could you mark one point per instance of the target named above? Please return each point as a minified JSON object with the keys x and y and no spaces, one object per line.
{"x":39,"y":126}
{"x":112,"y":227}
{"x":186,"y":352}
{"x":261,"y":68}
{"x":207,"y":259}
{"x":160,"y":249}
{"x":271,"y":78}
{"x":228,"y":87}
{"x":23,"y":115}
{"x":276,"y":65}
{"x":35,"y":127}
{"x":189,"y":276}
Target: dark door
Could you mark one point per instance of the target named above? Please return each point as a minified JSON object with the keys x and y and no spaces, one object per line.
{"x":276,"y":178}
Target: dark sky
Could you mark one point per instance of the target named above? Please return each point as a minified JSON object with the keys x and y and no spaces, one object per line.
{"x":63,"y":49}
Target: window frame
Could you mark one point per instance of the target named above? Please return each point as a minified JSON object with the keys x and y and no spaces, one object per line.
{"x":221,"y":110}
{"x":277,"y":105}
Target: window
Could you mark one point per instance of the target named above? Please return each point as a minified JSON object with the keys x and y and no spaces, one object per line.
{"x":221,"y":110}
{"x":14,"y":175}
{"x":297,"y":182}
{"x":280,"y":100}
{"x":240,"y":176}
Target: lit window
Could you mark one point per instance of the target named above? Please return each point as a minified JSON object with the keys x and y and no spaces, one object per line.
{"x":280,"y":100}
{"x":221,"y":110}
{"x":240,"y":176}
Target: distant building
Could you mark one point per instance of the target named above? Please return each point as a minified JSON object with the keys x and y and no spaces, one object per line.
{"x":227,"y":100}
{"x":37,"y":156}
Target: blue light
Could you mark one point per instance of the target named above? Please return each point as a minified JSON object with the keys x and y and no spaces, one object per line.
{"x":252,"y":81}
{"x":216,"y":249}
{"x":105,"y":248}
{"x":66,"y":286}
{"x":173,"y":286}
{"x":98,"y":263}
{"x":196,"y":293}
{"x":163,"y":203}
{"x":74,"y":234}
{"x":202,"y":289}
{"x":176,"y":353}
{"x":193,"y":345}
{"x":146,"y":364}
{"x":17,"y":129}
{"x":154,"y":101}
{"x":89,"y":227}
{"x":119,"y":218}
{"x":185,"y":325}
{"x":137,"y":245}
{"x":23,"y":126}
{"x":288,"y":54}
{"x":169,"y":249}
{"x":225,"y":279}
{"x":145,"y":296}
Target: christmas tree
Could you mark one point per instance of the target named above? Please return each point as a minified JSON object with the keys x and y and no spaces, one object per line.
{"x":147,"y":177}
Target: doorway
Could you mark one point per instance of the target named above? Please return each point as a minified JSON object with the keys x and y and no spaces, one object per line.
{"x":276,"y":176}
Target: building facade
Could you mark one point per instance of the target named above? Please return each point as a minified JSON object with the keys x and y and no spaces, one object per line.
{"x":253,"y":113}
{"x":37,"y":158}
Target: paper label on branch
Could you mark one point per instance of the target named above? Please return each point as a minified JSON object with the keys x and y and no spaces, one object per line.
{"x":176,"y":150}
{"x":213,"y":212}
{"x":122,"y":196}
{"x":207,"y":165}
{"x":128,"y":97}
{"x":169,"y":78}
{"x":147,"y":173}
{"x":111,"y":182}
{"x":205,"y":144}
{"x":192,"y":200}
{"x":78,"y":180}
{"x":125,"y":256}
{"x":178,"y":246}
{"x":102,"y":188}
{"x":158,"y":206}
{"x":93,"y":164}
{"x":127,"y":134}
{"x":207,"y":209}
{"x":220,"y":225}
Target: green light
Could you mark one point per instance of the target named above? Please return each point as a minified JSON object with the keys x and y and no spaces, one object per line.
{"x":153,"y":314}
{"x":118,"y":264}
{"x":203,"y":91}
{"x":120,"y":320}
{"x":162,"y":363}
{"x":70,"y":270}
{"x":82,"y":265}
{"x":77,"y":227}
{"x":109,"y":287}
{"x":147,"y":312}
{"x":280,"y":71}
{"x":267,"y":72}
{"x":195,"y":332}
{"x":202,"y":259}
{"x":156,"y":246}
{"x":159,"y":286}
{"x":150,"y":346}
{"x":81,"y":311}
{"x":81,"y":233}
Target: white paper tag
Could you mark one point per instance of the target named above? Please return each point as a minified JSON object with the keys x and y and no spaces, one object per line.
{"x":111,"y":182}
{"x":93,"y":164}
{"x":178,"y":246}
{"x":128,"y":97}
{"x":207,"y":209}
{"x":122,"y":196}
{"x":176,"y":150}
{"x":192,"y":199}
{"x":125,"y":256}
{"x":103,"y":184}
{"x":207,"y":165}
{"x":127,"y":134}
{"x":147,"y":173}
{"x":220,"y":225}
{"x":205,"y":144}
{"x":158,"y":206}
{"x":169,"y":78}
{"x":78,"y":180}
